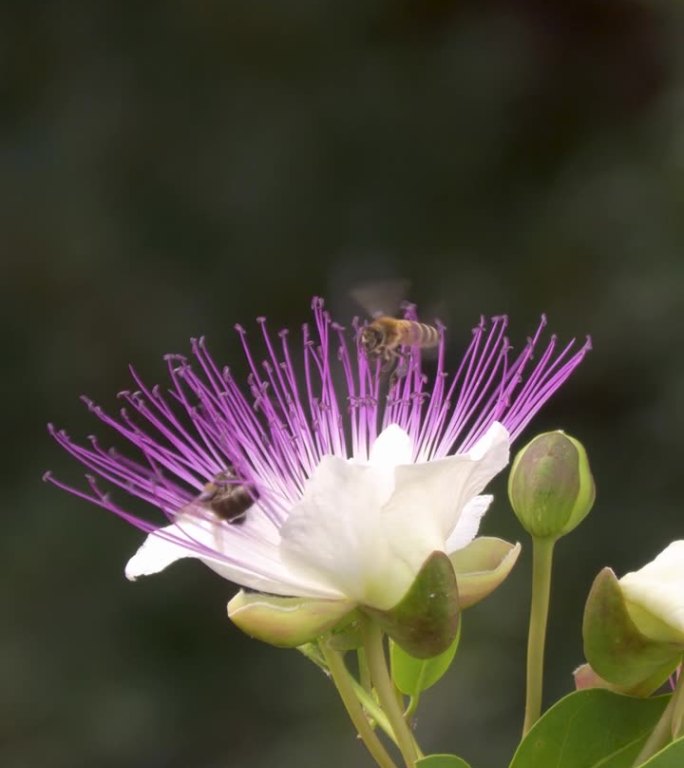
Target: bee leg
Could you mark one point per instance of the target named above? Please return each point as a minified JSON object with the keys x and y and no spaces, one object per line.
{"x":400,"y":369}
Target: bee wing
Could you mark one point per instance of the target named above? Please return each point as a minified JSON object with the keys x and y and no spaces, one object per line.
{"x":197,"y":508}
{"x":381,"y":297}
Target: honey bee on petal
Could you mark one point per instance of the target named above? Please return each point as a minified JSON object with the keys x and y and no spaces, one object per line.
{"x":228,"y":499}
{"x":383,"y":339}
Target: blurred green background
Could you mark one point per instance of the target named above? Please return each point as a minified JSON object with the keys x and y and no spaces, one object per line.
{"x":170,"y":168}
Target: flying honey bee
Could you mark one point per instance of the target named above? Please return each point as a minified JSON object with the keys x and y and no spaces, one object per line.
{"x":386,"y":338}
{"x":226,"y":498}
{"x":383,"y":338}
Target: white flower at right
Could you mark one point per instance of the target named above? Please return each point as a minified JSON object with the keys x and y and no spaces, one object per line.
{"x":654,"y":596}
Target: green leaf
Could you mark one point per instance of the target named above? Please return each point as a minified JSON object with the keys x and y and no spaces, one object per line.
{"x":425,"y":622}
{"x":670,"y":757}
{"x":442,"y":761}
{"x":590,"y":729}
{"x":412,"y":675}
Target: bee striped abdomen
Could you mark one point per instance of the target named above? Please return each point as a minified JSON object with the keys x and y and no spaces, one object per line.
{"x":382,"y":338}
{"x":419,"y":334}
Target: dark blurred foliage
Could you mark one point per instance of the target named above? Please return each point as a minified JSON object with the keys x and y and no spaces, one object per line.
{"x":170,"y":168}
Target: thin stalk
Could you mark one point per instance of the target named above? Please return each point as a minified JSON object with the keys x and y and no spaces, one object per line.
{"x":542,"y":560}
{"x":660,"y":735}
{"x":364,"y":674}
{"x":377,"y":664}
{"x":667,"y":728}
{"x":372,"y":708}
{"x":677,"y":721}
{"x":343,"y":680}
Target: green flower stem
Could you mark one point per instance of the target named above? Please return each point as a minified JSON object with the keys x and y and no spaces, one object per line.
{"x":364,"y":674}
{"x":377,"y":664}
{"x":542,"y":559}
{"x":677,"y":721}
{"x":666,"y":728}
{"x":660,"y":735}
{"x":371,"y":706}
{"x":343,"y":680}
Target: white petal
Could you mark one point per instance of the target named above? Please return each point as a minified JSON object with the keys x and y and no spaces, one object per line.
{"x":335,"y":531}
{"x":658,"y":587}
{"x":246,"y":554}
{"x":391,"y":447}
{"x":367,"y":530}
{"x":441,"y":489}
{"x":156,"y":553}
{"x":495,"y":437}
{"x":429,"y":499}
{"x":468,"y":523}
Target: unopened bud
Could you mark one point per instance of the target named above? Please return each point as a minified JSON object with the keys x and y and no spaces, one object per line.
{"x":550,"y":487}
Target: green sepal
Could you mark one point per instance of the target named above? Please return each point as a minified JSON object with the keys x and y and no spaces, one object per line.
{"x":413,"y":676}
{"x":286,"y":622}
{"x":481,"y":567}
{"x":346,"y":636}
{"x":425,"y":622}
{"x":615,"y":648}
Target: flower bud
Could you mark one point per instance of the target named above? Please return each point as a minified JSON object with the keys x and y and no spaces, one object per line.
{"x":586,"y":677}
{"x":654,"y":596}
{"x":633,"y":628}
{"x":550,"y":487}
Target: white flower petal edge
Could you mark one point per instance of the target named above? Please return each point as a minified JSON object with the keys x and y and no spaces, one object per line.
{"x":197,"y":535}
{"x":468,"y":523}
{"x":658,"y":588}
{"x":391,"y":448}
{"x":360,"y":532}
{"x":367,"y":531}
{"x":440,"y":490}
